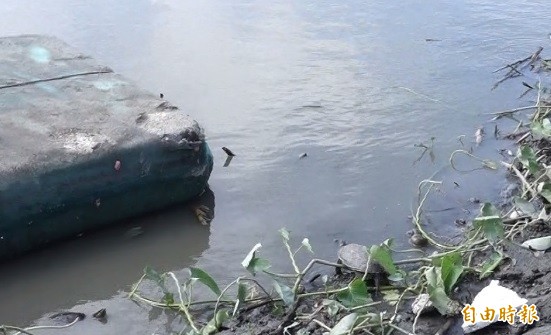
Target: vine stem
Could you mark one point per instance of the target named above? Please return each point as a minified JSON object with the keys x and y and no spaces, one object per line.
{"x":182,"y":306}
{"x":20,"y":330}
{"x":291,"y":255}
{"x":26,"y":330}
{"x":236,"y":281}
{"x":484,"y":162}
{"x":135,"y":286}
{"x":313,"y":262}
{"x":417,"y":217}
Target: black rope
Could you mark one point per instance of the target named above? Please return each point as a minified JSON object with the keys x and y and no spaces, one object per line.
{"x":55,"y":78}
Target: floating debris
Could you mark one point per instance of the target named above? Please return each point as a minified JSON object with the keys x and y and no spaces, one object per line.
{"x":460,"y":222}
{"x":101,"y":315}
{"x":228,"y":161}
{"x":202,"y":213}
{"x":474,"y":200}
{"x":117,"y":166}
{"x":479,"y":135}
{"x":418,"y":240}
{"x":228,"y":152}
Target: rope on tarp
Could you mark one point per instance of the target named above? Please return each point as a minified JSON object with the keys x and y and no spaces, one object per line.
{"x":107,"y":70}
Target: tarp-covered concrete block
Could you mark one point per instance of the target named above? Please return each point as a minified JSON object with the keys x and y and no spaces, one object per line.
{"x":82,"y":147}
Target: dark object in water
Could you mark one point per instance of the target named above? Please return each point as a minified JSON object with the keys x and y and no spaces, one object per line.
{"x":101,"y":315}
{"x":418,"y":240}
{"x":228,"y":161}
{"x":303,"y":155}
{"x":228,"y":152}
{"x":162,"y":96}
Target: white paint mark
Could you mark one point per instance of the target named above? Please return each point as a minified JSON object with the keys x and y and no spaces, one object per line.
{"x":82,"y":143}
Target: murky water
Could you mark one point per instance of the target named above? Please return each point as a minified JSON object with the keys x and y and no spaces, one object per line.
{"x":354,"y":85}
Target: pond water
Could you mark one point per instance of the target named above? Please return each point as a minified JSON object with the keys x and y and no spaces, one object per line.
{"x":353,"y":84}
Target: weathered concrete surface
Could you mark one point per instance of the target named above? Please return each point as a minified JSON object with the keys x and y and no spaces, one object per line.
{"x":81,"y":146}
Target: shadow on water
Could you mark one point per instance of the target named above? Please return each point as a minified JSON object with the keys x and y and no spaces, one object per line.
{"x":100,"y":263}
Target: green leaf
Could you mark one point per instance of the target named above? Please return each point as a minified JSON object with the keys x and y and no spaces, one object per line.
{"x":332,"y":307}
{"x":345,"y":325}
{"x":541,"y":128}
{"x":241,"y":296}
{"x":284,"y":233}
{"x":391,"y":296}
{"x":258,"y":265}
{"x":251,"y":255}
{"x":434,"y":277}
{"x":278,"y":309}
{"x":491,"y":264}
{"x":254,"y":264}
{"x":524,"y":206}
{"x":154,"y":276}
{"x":205,"y":279}
{"x":544,"y":189}
{"x":168,"y":298}
{"x":399,"y":275}
{"x":306,"y":243}
{"x":355,"y":295}
{"x":452,"y":268}
{"x":285,"y":293}
{"x":241,"y":292}
{"x":213,"y":326}
{"x":490,"y":222}
{"x":489,"y":210}
{"x":436,"y":290}
{"x":382,"y":255}
{"x":389,"y":243}
{"x":527,"y":157}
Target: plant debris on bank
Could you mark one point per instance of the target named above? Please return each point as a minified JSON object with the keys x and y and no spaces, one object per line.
{"x":425,"y":290}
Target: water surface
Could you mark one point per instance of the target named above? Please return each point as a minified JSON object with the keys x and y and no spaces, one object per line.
{"x":354,"y":85}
